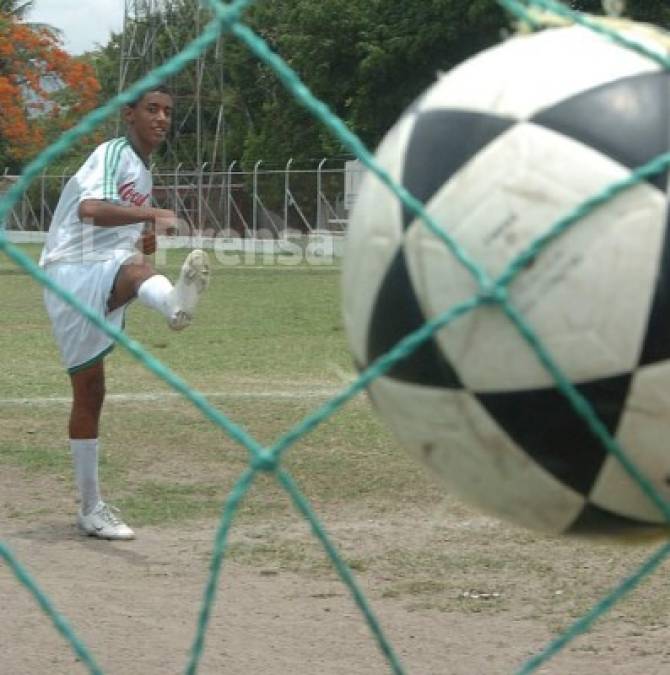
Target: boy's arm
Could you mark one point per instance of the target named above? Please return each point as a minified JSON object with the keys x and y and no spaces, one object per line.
{"x":106,"y":214}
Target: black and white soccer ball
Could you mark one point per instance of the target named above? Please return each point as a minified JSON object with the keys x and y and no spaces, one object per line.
{"x":498,"y":150}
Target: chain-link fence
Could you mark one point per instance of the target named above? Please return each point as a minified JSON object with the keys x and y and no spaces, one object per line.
{"x":265,"y":201}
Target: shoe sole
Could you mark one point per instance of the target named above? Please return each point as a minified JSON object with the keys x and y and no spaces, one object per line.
{"x":106,"y":537}
{"x":194,"y":272}
{"x":180,"y":320}
{"x":197,"y":269}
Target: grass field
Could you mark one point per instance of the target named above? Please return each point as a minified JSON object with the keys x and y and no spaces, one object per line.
{"x":267,"y":348}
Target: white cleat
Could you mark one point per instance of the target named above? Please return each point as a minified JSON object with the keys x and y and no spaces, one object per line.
{"x":192,"y":283}
{"x":104,"y":523}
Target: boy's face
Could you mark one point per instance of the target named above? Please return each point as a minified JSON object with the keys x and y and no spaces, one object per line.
{"x":149,"y":121}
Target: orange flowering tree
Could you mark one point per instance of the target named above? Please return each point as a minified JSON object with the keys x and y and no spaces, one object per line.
{"x":43,"y":90}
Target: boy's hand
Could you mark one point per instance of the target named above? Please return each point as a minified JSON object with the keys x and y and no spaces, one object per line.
{"x":163,"y":220}
{"x":147,"y":241}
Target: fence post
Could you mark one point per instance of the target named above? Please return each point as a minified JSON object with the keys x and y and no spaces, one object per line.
{"x":254,"y":223}
{"x":229,"y":188}
{"x":287,"y":195}
{"x":176,"y":188}
{"x":200,"y":195}
{"x":319,"y":188}
{"x":42,"y":199}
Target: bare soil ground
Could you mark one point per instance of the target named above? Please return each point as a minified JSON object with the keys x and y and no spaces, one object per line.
{"x":456,"y":593}
{"x":280,"y":608}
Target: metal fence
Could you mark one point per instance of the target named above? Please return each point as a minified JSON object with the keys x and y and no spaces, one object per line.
{"x":264,"y":202}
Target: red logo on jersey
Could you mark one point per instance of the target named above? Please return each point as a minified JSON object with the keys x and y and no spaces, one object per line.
{"x":128,"y":193}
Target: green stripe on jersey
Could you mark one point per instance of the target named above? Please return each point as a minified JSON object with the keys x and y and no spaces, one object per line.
{"x":108,"y":183}
{"x":112,"y":167}
{"x":112,"y":160}
{"x":105,"y":172}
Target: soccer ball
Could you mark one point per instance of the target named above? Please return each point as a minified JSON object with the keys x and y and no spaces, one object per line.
{"x":499,"y":150}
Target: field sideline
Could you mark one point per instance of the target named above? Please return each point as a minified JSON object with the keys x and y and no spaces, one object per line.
{"x":458,"y":592}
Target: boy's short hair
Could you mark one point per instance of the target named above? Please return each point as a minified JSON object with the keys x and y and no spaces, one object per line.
{"x":162,"y":88}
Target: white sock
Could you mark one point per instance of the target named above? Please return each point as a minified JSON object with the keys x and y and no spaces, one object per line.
{"x":156,"y":292}
{"x":85,"y":458}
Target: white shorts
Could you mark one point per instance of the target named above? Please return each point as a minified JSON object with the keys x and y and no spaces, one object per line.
{"x":81,"y":343}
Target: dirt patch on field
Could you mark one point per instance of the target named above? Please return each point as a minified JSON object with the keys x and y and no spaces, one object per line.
{"x":455,"y":592}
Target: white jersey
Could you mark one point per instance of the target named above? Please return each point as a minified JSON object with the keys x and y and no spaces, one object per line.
{"x":114,"y":172}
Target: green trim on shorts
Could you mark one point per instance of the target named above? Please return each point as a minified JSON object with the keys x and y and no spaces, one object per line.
{"x":90,"y":362}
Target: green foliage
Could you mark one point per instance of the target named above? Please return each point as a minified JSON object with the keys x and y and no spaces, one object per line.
{"x":405,"y":48}
{"x":651,"y":11}
{"x":4,"y":157}
{"x":105,"y":61}
{"x":366,"y":59}
{"x":17,"y":8}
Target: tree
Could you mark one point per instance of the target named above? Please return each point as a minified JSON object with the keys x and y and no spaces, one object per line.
{"x":16,"y":9}
{"x":650,"y":11}
{"x":19,"y":10}
{"x":366,"y":59}
{"x":43,"y":90}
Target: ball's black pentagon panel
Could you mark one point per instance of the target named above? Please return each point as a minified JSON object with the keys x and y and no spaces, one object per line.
{"x":656,"y":345}
{"x":594,"y":520}
{"x":627,"y":120}
{"x":442,"y":141}
{"x":396,"y":314}
{"x":544,"y":424}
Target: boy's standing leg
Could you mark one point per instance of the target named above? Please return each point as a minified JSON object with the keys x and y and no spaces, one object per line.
{"x":177,"y":303}
{"x":95,"y":516}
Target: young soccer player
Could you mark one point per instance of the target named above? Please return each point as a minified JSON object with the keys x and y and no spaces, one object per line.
{"x":101,"y":230}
